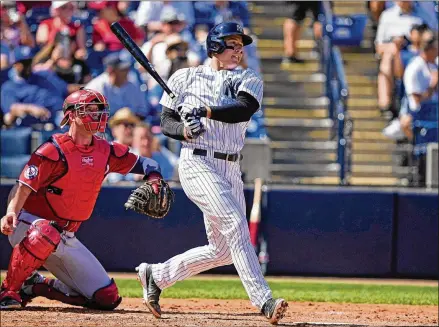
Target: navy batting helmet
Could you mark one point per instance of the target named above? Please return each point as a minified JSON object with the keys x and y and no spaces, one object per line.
{"x":215,"y":39}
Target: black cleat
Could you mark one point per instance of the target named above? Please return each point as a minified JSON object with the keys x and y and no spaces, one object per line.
{"x":151,"y":292}
{"x":274,"y":310}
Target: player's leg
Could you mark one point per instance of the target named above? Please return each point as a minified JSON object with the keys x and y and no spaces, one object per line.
{"x":81,"y":279}
{"x":194,"y":261}
{"x":35,"y":243}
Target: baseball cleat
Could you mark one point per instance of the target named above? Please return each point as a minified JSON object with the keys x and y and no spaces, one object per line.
{"x":9,"y":300}
{"x":151,"y":292}
{"x":274,"y":310}
{"x":26,"y":291}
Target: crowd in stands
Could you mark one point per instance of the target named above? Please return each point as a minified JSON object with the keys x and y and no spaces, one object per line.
{"x":406,"y":46}
{"x":49,"y":49}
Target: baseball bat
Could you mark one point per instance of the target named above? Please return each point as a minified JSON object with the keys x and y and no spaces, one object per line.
{"x":255,"y":213}
{"x":134,"y":49}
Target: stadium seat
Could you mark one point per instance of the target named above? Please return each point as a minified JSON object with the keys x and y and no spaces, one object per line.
{"x":349,"y":30}
{"x":16,"y":141}
{"x":425,"y":127}
{"x":11,"y":166}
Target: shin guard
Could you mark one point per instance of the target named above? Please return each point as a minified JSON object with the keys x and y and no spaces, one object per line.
{"x":41,"y":240}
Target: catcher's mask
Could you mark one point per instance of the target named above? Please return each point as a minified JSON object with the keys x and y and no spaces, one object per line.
{"x":90,"y":106}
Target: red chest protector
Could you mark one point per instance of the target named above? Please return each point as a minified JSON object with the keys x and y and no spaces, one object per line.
{"x":70,"y":199}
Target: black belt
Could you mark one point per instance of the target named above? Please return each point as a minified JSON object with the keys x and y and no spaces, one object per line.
{"x":219,"y":155}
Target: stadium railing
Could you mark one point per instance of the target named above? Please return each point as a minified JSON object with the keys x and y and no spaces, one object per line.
{"x":337,"y":91}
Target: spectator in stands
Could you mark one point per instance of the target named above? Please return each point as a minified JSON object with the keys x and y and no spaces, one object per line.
{"x":103,"y":37}
{"x":14,"y":31}
{"x":149,"y":14}
{"x":420,"y":81}
{"x":216,"y":12}
{"x":394,"y":28}
{"x":167,"y":56}
{"x":31,"y":98}
{"x":114,"y":84}
{"x":292,"y":28}
{"x":62,"y":20}
{"x":122,"y":126}
{"x":146,"y":145}
{"x":59,"y":57}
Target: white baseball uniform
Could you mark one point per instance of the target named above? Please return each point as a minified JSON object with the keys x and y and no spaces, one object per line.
{"x":215,"y":185}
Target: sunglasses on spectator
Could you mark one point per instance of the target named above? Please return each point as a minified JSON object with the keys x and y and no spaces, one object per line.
{"x":128,"y":125}
{"x":174,"y":22}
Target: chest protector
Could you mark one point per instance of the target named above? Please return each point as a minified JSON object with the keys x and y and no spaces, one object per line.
{"x":72,"y":197}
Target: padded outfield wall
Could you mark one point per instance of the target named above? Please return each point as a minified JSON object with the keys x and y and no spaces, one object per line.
{"x":309,"y":231}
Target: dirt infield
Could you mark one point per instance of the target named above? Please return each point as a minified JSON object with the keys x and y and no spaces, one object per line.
{"x":227,"y":313}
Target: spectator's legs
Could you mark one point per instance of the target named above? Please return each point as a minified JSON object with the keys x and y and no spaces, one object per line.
{"x":291,"y":36}
{"x":292,"y":29}
{"x":385,"y":80}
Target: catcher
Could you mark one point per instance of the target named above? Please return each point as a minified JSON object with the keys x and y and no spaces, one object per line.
{"x":56,"y":192}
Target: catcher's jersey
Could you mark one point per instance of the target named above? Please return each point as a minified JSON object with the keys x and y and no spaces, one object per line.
{"x":201,"y":86}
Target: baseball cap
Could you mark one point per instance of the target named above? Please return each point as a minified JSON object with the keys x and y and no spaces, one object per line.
{"x":169,"y":14}
{"x":22,"y":53}
{"x":123,"y":115}
{"x":117,"y":60}
{"x":58,"y":4}
{"x":173,"y":40}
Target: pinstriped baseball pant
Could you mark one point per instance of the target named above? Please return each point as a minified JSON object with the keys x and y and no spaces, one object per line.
{"x":215,"y":186}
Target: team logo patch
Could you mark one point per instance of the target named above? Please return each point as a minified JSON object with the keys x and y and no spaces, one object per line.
{"x":87,"y":161}
{"x":31,"y":172}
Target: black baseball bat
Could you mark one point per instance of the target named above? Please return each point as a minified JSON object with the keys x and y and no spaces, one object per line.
{"x":134,"y":49}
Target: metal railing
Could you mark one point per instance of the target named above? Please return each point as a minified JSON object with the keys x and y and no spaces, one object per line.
{"x":337,"y":91}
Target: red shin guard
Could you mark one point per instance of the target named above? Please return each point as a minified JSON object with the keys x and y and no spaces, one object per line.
{"x":41,"y":240}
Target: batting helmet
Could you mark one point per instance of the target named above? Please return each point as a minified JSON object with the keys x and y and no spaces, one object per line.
{"x":215,"y":39}
{"x":80,"y":101}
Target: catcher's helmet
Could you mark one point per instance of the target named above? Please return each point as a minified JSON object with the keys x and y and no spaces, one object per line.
{"x":215,"y":39}
{"x":80,"y":101}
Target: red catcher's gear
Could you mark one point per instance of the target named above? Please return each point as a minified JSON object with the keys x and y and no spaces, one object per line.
{"x":41,"y":240}
{"x":70,"y":199}
{"x":82,"y":101}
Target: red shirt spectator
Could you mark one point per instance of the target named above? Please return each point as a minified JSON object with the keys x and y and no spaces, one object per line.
{"x":103,"y":38}
{"x":102,"y":33}
{"x":53,"y":27}
{"x":62,"y":12}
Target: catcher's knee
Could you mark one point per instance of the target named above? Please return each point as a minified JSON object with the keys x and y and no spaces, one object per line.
{"x":106,"y":298}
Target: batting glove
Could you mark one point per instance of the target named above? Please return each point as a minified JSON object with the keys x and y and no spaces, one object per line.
{"x":194,"y":128}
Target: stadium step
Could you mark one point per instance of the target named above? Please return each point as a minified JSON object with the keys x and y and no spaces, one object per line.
{"x":303,"y":145}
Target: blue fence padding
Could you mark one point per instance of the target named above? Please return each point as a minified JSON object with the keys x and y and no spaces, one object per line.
{"x":332,"y":233}
{"x":16,"y":141}
{"x":417,"y":230}
{"x":340,"y":232}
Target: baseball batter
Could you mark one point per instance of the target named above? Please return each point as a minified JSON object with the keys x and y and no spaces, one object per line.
{"x":210,"y":116}
{"x":55,"y":194}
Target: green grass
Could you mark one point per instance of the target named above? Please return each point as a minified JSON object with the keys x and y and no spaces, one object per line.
{"x":295,"y":291}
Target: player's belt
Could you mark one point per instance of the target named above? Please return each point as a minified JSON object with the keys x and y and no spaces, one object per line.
{"x":219,"y":155}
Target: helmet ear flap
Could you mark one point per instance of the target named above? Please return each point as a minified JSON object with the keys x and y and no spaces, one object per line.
{"x":217,"y":45}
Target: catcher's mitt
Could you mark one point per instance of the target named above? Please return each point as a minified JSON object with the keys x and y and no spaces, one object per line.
{"x":152,"y":198}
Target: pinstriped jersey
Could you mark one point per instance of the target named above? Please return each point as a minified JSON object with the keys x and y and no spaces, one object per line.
{"x":201,"y":86}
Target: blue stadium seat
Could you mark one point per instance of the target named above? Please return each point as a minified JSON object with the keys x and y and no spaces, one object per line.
{"x":425,"y":127}
{"x":349,"y":30}
{"x":16,"y":141}
{"x":95,"y":61}
{"x":11,"y":166}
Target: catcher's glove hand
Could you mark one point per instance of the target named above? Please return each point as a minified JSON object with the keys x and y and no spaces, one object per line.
{"x":153,"y":198}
